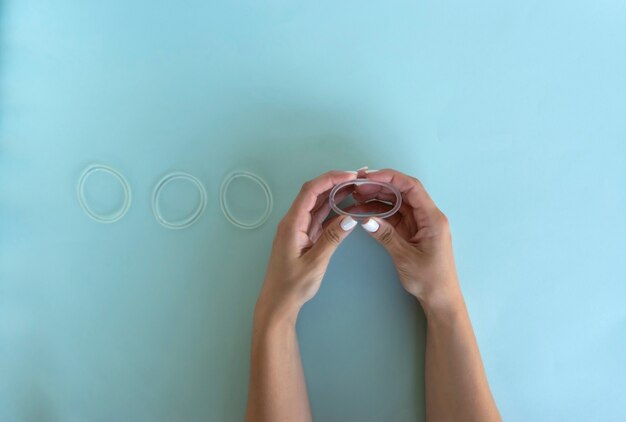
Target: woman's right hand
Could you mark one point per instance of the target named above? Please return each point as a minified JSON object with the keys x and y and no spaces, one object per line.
{"x":418,"y":240}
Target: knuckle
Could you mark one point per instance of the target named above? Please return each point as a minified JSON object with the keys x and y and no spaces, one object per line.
{"x":282,"y":227}
{"x":332,"y":236}
{"x":443,"y":224}
{"x":386,"y":236}
{"x":418,"y":183}
{"x":443,"y":220}
{"x":306,"y":186}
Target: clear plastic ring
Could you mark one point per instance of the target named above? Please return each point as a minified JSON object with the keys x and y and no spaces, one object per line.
{"x":224,"y":203}
{"x":156,"y":209}
{"x":80,"y":190}
{"x":392,"y":188}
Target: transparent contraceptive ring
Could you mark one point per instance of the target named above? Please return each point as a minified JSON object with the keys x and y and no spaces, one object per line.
{"x":241,"y":174}
{"x":197,"y":212}
{"x":391,"y":191}
{"x":80,"y":191}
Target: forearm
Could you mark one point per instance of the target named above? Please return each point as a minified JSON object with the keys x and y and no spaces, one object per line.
{"x":277,"y":390}
{"x":456,"y":383}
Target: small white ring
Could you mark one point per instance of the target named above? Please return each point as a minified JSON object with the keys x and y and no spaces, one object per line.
{"x":156,"y":209}
{"x":80,"y":190}
{"x":224,"y":204}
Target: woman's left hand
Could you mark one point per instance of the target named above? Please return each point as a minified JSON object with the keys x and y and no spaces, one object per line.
{"x":302,"y":248}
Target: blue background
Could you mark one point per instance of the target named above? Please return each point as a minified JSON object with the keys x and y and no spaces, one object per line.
{"x":512,"y":114}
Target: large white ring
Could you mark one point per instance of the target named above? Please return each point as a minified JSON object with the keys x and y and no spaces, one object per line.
{"x":80,"y":190}
{"x":156,"y":209}
{"x":224,"y":204}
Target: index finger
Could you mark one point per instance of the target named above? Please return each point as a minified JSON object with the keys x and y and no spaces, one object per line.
{"x":300,"y":211}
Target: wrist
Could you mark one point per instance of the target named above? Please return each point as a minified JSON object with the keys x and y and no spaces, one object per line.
{"x":444,"y":302}
{"x":270,"y":311}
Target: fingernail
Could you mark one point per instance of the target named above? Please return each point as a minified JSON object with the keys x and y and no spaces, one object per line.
{"x":370,"y":171}
{"x":351,"y":171}
{"x":371,"y":225}
{"x":347,"y":223}
{"x":362,"y":168}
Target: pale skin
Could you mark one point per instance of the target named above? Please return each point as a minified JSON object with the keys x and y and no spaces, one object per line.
{"x":419,"y":241}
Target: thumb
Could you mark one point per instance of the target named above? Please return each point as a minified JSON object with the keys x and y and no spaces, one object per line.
{"x":335,"y":231}
{"x":385,"y":234}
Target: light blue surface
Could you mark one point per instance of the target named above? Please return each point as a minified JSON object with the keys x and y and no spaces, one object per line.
{"x":512,"y":113}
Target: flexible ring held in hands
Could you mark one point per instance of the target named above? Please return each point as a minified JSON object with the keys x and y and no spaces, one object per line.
{"x":224,"y":203}
{"x":358,"y":182}
{"x":103,"y":218}
{"x":197,"y":213}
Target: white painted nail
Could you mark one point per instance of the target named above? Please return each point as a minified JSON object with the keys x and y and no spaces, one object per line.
{"x":370,"y":171}
{"x":351,"y":171}
{"x":347,"y":223}
{"x":371,"y":225}
{"x":362,"y":168}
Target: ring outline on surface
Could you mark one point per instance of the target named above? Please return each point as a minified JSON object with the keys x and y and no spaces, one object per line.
{"x":197,"y":213}
{"x":392,"y":211}
{"x":226,"y":209}
{"x":80,"y":190}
